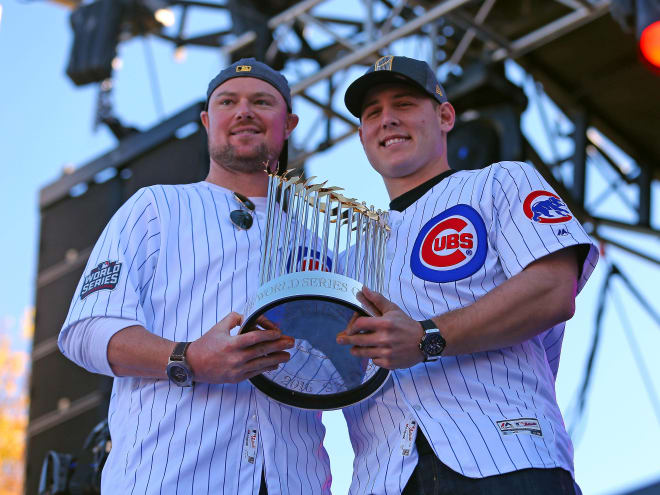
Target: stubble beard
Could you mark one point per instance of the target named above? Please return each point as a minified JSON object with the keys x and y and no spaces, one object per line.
{"x":226,"y":157}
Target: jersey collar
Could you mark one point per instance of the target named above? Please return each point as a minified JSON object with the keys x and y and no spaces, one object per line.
{"x":402,"y":202}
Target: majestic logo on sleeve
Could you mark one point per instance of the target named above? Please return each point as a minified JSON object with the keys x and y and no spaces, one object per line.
{"x":546,"y":207}
{"x":104,"y":276}
{"x":308,"y":260}
{"x":450,"y":246}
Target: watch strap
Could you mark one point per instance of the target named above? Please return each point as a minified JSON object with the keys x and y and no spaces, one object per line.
{"x":431,"y":329}
{"x":179,"y":351}
{"x":428,"y":325}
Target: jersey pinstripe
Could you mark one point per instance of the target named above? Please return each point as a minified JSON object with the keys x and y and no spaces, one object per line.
{"x":491,"y":412}
{"x":182,"y":266}
{"x":377,"y":428}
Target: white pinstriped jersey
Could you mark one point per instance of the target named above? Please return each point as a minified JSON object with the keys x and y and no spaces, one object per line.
{"x":485,"y":413}
{"x":171,"y":259}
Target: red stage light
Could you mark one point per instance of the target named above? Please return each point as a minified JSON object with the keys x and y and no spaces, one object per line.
{"x":649,"y":43}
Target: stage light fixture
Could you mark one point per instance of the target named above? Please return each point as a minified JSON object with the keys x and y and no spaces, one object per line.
{"x":648,"y":30}
{"x":180,"y":54}
{"x":165,"y":17}
{"x":642,"y":17}
{"x":649,"y":43}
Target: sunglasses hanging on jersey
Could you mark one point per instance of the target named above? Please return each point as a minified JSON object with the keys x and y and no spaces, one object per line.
{"x":242,"y":218}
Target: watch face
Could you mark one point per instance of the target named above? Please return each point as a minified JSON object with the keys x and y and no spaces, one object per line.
{"x":178,"y":374}
{"x":433,"y":344}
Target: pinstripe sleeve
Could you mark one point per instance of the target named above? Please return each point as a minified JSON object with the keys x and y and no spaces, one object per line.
{"x":86,"y":342}
{"x":530,"y":220}
{"x":121,"y":265}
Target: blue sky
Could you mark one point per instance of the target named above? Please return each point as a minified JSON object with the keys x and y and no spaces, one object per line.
{"x":46,"y":124}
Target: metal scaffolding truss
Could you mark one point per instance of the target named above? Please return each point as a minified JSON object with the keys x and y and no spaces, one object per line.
{"x":452,"y":35}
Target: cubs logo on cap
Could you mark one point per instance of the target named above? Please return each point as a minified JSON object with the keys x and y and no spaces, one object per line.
{"x":243,"y":68}
{"x":384,"y":63}
{"x":451,"y":246}
{"x":546,"y":207}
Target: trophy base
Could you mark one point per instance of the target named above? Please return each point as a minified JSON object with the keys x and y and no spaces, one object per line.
{"x":313,"y":307}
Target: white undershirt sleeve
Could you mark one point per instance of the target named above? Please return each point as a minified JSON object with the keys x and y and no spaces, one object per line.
{"x":86,"y":342}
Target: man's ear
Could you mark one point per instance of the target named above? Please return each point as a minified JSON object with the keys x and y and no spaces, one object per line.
{"x":360,"y":134}
{"x":204,"y":116}
{"x":446,"y":116}
{"x":291,"y":123}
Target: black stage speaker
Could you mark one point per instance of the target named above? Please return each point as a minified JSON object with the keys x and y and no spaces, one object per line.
{"x":485,"y":136}
{"x":96,"y":28}
{"x":66,"y":402}
{"x":488,"y":109}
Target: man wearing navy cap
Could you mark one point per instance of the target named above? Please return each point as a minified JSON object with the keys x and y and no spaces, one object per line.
{"x":149,"y":312}
{"x":483,"y":267}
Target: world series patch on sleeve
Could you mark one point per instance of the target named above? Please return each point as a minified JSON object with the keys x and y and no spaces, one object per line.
{"x":104,"y":276}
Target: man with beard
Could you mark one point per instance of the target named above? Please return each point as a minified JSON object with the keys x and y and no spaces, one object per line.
{"x":148,"y":311}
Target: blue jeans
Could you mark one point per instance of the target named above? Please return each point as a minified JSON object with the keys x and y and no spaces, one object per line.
{"x":432,"y":477}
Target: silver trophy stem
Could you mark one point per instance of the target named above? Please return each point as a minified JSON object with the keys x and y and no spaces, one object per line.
{"x":374,"y":252}
{"x":358,"y":246}
{"x":272,"y":220}
{"x":299,"y":198}
{"x":299,"y":194}
{"x":367,"y":251}
{"x":386,"y":235}
{"x":314,"y":235}
{"x":265,"y":251}
{"x":326,"y":231}
{"x":268,"y":234}
{"x":297,"y":253}
{"x":285,"y":227}
{"x":272,"y":248}
{"x":278,"y":229}
{"x":349,"y":232}
{"x":286,"y":245}
{"x":376,"y":255}
{"x":335,"y":268}
{"x":379,"y":258}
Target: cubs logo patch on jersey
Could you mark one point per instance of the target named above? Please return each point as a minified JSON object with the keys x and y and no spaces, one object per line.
{"x":451,"y":246}
{"x":546,"y":207}
{"x":104,"y":276}
{"x":308,"y":260}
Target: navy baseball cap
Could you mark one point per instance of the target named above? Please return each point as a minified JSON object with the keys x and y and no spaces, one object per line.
{"x":251,"y":67}
{"x":393,"y":68}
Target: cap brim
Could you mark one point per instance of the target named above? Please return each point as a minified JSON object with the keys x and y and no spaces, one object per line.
{"x":354,"y":97}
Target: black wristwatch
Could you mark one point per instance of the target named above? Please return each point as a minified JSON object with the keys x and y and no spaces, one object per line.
{"x":432,"y":343}
{"x":178,"y":369}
